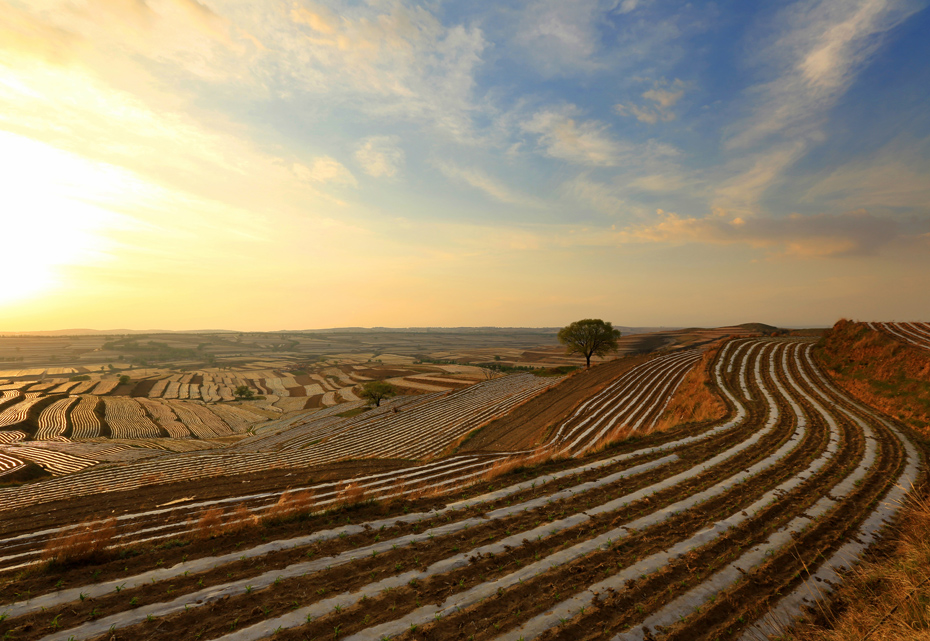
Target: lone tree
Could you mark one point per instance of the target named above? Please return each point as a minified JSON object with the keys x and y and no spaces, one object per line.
{"x":244,"y":392}
{"x":377,"y":391}
{"x":589,"y":337}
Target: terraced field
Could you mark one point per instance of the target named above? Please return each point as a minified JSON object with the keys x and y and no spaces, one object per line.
{"x":912,"y":333}
{"x":706,"y":532}
{"x":53,"y":421}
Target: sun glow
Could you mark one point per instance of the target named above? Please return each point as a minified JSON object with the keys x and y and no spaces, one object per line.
{"x":53,"y":199}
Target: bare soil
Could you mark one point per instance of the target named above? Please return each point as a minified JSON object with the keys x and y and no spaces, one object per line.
{"x":527,"y":425}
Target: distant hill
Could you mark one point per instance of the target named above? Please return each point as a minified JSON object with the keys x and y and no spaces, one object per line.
{"x":114,"y":332}
{"x":625,"y":330}
{"x":333,"y":330}
{"x":758,"y":327}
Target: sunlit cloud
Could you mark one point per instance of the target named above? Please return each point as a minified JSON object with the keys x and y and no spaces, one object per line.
{"x":586,"y":142}
{"x":659,"y":102}
{"x":849,"y":235}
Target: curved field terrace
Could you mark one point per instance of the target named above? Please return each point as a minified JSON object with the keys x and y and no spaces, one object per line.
{"x":706,"y":531}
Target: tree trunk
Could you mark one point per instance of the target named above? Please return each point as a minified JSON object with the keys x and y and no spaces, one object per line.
{"x":588,"y":359}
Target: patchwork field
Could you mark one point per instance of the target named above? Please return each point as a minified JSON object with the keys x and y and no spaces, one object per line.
{"x":518,"y":507}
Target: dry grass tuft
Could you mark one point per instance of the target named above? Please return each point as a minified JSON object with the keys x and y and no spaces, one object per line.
{"x":82,"y":543}
{"x":290,"y":505}
{"x":209,"y":524}
{"x":352,"y":494}
{"x":240,"y":519}
{"x":885,"y":599}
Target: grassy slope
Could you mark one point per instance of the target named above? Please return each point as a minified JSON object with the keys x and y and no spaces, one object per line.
{"x":886,"y":598}
{"x":887,"y":374}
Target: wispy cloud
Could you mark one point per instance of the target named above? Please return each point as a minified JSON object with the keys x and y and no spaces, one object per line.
{"x":325,"y":170}
{"x":585,"y":142}
{"x":852,"y":234}
{"x":380,"y":156}
{"x":602,"y":197}
{"x":821,"y":46}
{"x":895,"y":177}
{"x":560,"y":37}
{"x":661,"y":98}
{"x":483,"y":182}
{"x":747,"y":178}
{"x":390,"y":60}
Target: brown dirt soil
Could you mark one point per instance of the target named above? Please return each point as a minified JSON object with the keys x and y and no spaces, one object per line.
{"x":143,"y":388}
{"x":379,"y":373}
{"x":122,"y":390}
{"x":612,"y":611}
{"x":79,"y":509}
{"x":527,"y":425}
{"x":31,"y":472}
{"x":126,"y":562}
{"x":272,"y":602}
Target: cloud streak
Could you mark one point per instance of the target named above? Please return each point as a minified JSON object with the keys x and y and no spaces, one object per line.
{"x":821,"y":47}
{"x":849,"y":235}
{"x":489,"y":186}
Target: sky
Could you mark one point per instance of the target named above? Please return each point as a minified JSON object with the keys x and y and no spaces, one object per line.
{"x":265,"y":164}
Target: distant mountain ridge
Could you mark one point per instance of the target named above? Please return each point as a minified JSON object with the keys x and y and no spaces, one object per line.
{"x":625,"y":330}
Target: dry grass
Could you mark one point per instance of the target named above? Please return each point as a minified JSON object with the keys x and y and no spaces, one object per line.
{"x":889,"y":375}
{"x":399,"y":490}
{"x":352,"y":494}
{"x":885,"y":599}
{"x":82,"y":543}
{"x":697,"y":398}
{"x":290,"y":505}
{"x":611,"y":438}
{"x":209,"y":524}
{"x":240,"y":519}
{"x":538,"y":456}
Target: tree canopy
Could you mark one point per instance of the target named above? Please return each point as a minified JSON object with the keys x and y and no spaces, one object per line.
{"x":589,"y":337}
{"x":243,"y":392}
{"x":376,"y":391}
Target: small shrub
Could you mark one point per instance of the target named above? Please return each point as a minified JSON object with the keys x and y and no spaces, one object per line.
{"x":209,"y":524}
{"x":82,"y":543}
{"x":240,"y":519}
{"x":290,"y":505}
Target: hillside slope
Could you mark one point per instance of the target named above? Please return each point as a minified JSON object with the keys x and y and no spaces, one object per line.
{"x":889,"y":375}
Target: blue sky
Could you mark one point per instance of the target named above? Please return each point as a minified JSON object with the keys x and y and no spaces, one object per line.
{"x":261,"y":165}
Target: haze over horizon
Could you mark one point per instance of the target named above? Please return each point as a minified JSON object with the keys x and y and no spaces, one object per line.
{"x":197,"y":163}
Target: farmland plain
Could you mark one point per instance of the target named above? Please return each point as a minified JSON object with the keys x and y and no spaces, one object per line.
{"x":486,"y":501}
